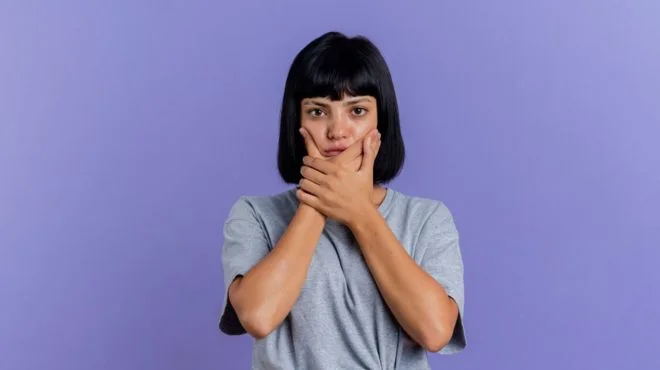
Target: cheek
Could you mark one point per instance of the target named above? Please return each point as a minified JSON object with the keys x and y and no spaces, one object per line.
{"x":364,"y":127}
{"x":316,"y":130}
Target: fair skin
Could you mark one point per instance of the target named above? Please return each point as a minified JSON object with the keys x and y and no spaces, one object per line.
{"x":329,"y":126}
{"x":338,"y":183}
{"x":265,"y":295}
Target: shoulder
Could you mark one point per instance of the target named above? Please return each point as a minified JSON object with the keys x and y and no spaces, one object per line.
{"x":419,"y":208}
{"x":250,"y":207}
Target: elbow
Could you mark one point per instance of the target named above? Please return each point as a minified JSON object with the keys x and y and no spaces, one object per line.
{"x":435,"y":344}
{"x":436,"y":340}
{"x":255,"y":323}
{"x":257,"y":330}
{"x":252,"y":315}
{"x":436,"y":336}
{"x":439,"y":334}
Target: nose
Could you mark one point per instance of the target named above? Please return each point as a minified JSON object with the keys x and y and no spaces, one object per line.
{"x":338,"y":129}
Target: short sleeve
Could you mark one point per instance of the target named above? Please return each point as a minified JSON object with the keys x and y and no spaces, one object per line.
{"x":245,"y":244}
{"x":441,"y":258}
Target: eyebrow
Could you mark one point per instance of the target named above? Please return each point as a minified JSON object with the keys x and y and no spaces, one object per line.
{"x":357,"y":100}
{"x":315,"y":102}
{"x":349,"y":102}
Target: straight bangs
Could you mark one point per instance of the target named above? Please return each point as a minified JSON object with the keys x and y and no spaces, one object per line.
{"x":335,"y":75}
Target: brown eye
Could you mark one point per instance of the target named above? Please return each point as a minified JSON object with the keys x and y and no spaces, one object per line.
{"x":315,"y":112}
{"x":359,"y":111}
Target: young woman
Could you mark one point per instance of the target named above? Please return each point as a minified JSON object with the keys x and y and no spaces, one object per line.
{"x":342,"y":272}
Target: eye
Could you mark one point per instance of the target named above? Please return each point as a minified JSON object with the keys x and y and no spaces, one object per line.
{"x":315,"y":112}
{"x":359,"y":111}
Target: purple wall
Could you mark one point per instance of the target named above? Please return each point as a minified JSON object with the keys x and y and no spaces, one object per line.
{"x":127,"y":130}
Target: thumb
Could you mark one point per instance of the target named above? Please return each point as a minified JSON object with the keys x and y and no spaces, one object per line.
{"x":310,"y":145}
{"x":370,"y":149}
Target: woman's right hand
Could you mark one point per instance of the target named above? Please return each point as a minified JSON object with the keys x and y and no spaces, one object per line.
{"x":351,"y":158}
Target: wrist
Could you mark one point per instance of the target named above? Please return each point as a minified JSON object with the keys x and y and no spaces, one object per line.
{"x":363,"y":219}
{"x":307,"y":211}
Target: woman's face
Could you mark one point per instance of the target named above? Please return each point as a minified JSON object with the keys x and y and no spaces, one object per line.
{"x":336,"y":125}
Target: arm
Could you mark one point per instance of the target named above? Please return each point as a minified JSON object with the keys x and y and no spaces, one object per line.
{"x":264,"y":296}
{"x":425,"y":299}
{"x":419,"y":303}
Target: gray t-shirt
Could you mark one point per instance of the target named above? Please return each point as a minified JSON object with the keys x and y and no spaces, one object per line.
{"x":340,"y":320}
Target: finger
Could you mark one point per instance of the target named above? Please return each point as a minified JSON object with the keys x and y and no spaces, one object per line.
{"x":377,"y":145}
{"x":321,"y":165}
{"x":371,"y":144}
{"x":311,"y":187}
{"x":352,"y":152}
{"x":348,"y":155}
{"x":309,"y":199}
{"x":312,"y":174}
{"x":310,"y":145}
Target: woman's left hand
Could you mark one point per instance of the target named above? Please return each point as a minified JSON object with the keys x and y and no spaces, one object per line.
{"x":337,"y":192}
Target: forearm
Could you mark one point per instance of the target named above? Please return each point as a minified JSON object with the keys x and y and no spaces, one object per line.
{"x":265,"y":295}
{"x":418,"y":302}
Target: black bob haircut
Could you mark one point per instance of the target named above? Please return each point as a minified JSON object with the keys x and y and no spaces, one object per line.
{"x":334,"y":65}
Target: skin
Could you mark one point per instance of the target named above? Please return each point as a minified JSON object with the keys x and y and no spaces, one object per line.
{"x":265,"y":295}
{"x":327,"y":124}
{"x":340,"y":186}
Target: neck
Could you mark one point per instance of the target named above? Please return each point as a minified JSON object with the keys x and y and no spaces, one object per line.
{"x":378,"y":195}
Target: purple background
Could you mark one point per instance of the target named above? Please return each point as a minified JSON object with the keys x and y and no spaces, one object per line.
{"x":128,"y":129}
